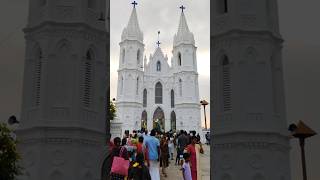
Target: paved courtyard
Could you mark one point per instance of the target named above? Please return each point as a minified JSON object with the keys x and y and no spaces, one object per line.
{"x":174,"y":172}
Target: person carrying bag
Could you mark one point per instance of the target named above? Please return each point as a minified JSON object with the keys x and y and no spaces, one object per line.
{"x":120,"y":162}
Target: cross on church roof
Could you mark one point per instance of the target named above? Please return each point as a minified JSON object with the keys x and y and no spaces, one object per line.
{"x":182,"y":8}
{"x":134,"y":3}
{"x":158,"y":42}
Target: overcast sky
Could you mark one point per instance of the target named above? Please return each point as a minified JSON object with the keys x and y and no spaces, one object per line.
{"x":299,"y":27}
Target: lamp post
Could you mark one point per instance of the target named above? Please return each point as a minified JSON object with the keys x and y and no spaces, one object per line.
{"x":204,"y":103}
{"x":302,"y":131}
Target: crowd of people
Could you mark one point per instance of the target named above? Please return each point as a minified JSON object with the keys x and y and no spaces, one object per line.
{"x":144,"y":155}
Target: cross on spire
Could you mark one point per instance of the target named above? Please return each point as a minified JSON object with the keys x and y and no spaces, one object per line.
{"x":134,"y":3}
{"x":158,"y":42}
{"x":182,"y":8}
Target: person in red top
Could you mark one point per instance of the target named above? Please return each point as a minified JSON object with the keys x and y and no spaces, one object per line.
{"x":142,"y":149}
{"x":194,"y":149}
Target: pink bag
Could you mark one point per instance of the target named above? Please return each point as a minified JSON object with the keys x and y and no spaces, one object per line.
{"x":120,"y":165}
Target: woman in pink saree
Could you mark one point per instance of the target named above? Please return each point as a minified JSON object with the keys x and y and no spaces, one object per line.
{"x":194,"y":150}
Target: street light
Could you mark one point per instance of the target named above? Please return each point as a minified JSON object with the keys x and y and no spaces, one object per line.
{"x":204,"y":103}
{"x":302,"y":131}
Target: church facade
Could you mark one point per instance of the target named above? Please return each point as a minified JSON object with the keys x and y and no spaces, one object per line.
{"x":153,"y":94}
{"x":62,"y":131}
{"x":251,"y":139}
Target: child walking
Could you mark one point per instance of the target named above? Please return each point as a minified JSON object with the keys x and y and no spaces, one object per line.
{"x":186,"y":170}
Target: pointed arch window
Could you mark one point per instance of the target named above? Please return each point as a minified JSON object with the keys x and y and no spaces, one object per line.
{"x":145,"y":96}
{"x":88,"y":76}
{"x":173,"y":121}
{"x":172,"y":98}
{"x":37,"y":77}
{"x":226,"y":84}
{"x":138,"y":57}
{"x":222,"y":6}
{"x":158,"y":93}
{"x":137,"y":87}
{"x":121,"y":85}
{"x":123,"y":55}
{"x":158,"y":66}
{"x":180,"y":87}
{"x":179,"y":59}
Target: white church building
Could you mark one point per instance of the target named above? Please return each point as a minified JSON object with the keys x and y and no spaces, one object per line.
{"x":153,"y":93}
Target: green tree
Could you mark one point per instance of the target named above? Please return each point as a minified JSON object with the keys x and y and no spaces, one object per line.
{"x":112,"y":110}
{"x":9,"y":156}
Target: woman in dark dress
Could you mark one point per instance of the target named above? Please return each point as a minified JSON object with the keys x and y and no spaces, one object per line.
{"x":116,"y":152}
{"x":164,"y":154}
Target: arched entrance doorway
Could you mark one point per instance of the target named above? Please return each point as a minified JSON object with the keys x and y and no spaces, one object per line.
{"x":173,"y":121}
{"x":144,"y":120}
{"x":159,"y":120}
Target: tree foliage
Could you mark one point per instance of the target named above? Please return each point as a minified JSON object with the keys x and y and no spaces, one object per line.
{"x":9,"y":156}
{"x":112,"y":110}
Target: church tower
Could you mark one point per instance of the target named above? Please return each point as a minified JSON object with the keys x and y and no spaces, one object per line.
{"x":64,"y":91}
{"x":130,"y":74}
{"x":186,"y":77}
{"x":249,"y":122}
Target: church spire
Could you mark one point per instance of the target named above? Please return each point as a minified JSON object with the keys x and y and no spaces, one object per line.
{"x":132,"y":31}
{"x":183,"y":35}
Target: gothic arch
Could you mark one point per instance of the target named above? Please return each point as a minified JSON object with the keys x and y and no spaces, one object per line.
{"x":145,"y":97}
{"x":172,"y":102}
{"x":180,"y":87}
{"x":144,"y":120}
{"x":158,"y":93}
{"x":158,"y":67}
{"x":173,"y":121}
{"x":179,"y":59}
{"x":63,"y":44}
{"x":123,"y":55}
{"x":159,"y":119}
{"x":137,"y":86}
{"x":226,"y":83}
{"x":88,"y":77}
{"x":138,"y":57}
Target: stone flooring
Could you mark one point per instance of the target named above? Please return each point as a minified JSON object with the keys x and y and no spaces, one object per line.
{"x":174,"y":172}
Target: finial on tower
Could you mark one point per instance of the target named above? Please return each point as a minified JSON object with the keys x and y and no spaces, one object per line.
{"x":158,"y":42}
{"x":182,"y":8}
{"x":134,"y":3}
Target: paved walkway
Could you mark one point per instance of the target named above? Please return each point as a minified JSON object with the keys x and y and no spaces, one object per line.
{"x":174,"y":172}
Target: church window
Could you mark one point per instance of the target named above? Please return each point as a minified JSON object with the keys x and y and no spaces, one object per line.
{"x":158,"y":93}
{"x":145,"y":93}
{"x":173,"y":121}
{"x":121,"y":85}
{"x":123,"y":55}
{"x":172,"y":98}
{"x":88,"y":79}
{"x":222,"y":6}
{"x":138,"y":57}
{"x":226,"y":84}
{"x":92,"y":4}
{"x":137,"y":88}
{"x":158,"y":66}
{"x":180,"y":87}
{"x":37,"y":78}
{"x":179,"y":59}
